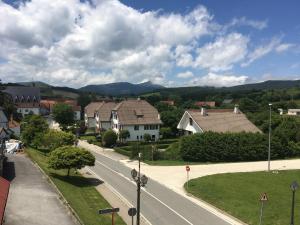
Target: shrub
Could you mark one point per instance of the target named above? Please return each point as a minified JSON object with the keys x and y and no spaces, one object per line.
{"x":172,"y":152}
{"x":166,"y":132}
{"x":109,"y":138}
{"x":146,"y":150}
{"x":229,"y":147}
{"x":123,"y":135}
{"x":147,"y":137}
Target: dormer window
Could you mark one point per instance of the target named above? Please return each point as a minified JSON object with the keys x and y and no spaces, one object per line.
{"x":28,"y":98}
{"x":139,"y":113}
{"x":191,"y":121}
{"x":16,"y":99}
{"x":34,"y":99}
{"x":22,"y":98}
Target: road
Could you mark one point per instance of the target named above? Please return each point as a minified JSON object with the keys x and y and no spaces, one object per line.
{"x":159,"y":205}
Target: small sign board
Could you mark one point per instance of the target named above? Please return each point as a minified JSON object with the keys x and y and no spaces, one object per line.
{"x":264,"y":197}
{"x":187,"y":168}
{"x":107,"y":211}
{"x":132,"y":212}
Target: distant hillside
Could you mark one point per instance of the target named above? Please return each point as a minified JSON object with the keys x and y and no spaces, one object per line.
{"x":122,"y":88}
{"x":270,"y":84}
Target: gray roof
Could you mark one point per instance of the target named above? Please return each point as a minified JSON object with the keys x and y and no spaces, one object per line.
{"x":135,"y":112}
{"x":19,"y":92}
{"x":91,"y":108}
{"x":223,"y":121}
{"x":104,"y":111}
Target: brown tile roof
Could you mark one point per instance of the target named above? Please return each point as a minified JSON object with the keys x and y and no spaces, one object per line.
{"x":134,"y":112}
{"x":104,"y":110}
{"x":223,"y":120}
{"x":12,"y":124}
{"x":4,"y":190}
{"x":91,"y":108}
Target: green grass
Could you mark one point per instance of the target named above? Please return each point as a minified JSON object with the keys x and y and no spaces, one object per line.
{"x":239,"y":194}
{"x":91,"y":140}
{"x":170,"y":163}
{"x":78,"y":191}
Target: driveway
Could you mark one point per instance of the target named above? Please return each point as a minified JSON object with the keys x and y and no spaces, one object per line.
{"x":32,"y":200}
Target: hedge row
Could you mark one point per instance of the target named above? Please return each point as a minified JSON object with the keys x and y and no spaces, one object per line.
{"x":230,"y":147}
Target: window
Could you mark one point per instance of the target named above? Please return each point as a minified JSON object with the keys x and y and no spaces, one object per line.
{"x":191,"y":121}
{"x":136,"y":127}
{"x":146,"y":127}
{"x":153,"y":137}
{"x":141,"y":137}
{"x":137,"y":137}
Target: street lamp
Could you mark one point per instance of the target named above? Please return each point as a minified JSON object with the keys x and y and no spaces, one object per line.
{"x":141,"y":181}
{"x":294,"y":187}
{"x":269,"y":151}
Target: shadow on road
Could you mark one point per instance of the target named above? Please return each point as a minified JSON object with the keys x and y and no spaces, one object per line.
{"x":9,"y":171}
{"x":78,"y":181}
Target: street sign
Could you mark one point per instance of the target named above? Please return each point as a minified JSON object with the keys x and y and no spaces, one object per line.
{"x":132,"y":212}
{"x":187,"y":168}
{"x":264,"y":197}
{"x":107,"y":211}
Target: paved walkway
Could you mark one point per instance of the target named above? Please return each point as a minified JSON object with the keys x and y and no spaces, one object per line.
{"x":32,"y":200}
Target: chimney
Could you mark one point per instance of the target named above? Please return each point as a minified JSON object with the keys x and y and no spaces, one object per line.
{"x":236,"y":109}
{"x":280,"y":111}
{"x":138,"y":98}
{"x":203,"y":111}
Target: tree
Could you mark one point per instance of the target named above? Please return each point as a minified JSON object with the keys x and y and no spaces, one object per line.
{"x":109,"y":138}
{"x":69,"y":157}
{"x":166,"y":132}
{"x":147,"y":137}
{"x":32,"y":127}
{"x":6,"y":102}
{"x":54,"y":139}
{"x":63,"y":114}
{"x":123,"y":135}
{"x":171,"y":118}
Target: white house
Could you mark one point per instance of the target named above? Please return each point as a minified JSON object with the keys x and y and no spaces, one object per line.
{"x":103,"y":116}
{"x":138,"y":117}
{"x":26,"y":99}
{"x":90,"y":114}
{"x":216,"y":120}
{"x":294,"y":112}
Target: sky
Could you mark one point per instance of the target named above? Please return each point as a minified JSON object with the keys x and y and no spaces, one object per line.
{"x":171,"y":42}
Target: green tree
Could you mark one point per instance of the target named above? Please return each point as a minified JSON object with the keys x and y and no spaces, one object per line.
{"x":69,"y":157}
{"x":109,"y":138}
{"x":166,"y":132}
{"x":63,"y":114}
{"x":32,"y":127}
{"x":147,"y":137}
{"x":123,"y":135}
{"x":171,"y":118}
{"x":54,"y":139}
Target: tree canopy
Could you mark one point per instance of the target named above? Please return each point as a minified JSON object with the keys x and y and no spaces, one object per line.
{"x":63,"y":114}
{"x":54,"y":139}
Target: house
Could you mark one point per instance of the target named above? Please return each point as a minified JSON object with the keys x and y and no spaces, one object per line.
{"x":216,"y":120}
{"x":294,"y":112}
{"x":103,"y":116}
{"x":210,"y":104}
{"x":47,"y":107}
{"x":138,"y":117}
{"x":26,"y":99}
{"x":90,"y":114}
{"x":168,"y":102}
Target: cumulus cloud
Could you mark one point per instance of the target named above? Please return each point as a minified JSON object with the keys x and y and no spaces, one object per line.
{"x":222,"y":54}
{"x":243,"y":21}
{"x":186,"y":74}
{"x":219,"y":80}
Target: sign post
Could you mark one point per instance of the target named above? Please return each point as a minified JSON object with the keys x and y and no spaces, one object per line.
{"x":263,"y":199}
{"x":187,"y":168}
{"x":110,"y":211}
{"x":132,"y":213}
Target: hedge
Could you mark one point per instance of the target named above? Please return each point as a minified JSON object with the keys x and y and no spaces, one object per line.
{"x":122,"y":151}
{"x":230,"y":147}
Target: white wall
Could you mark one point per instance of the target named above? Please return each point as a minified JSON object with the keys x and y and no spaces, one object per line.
{"x":184,"y":124}
{"x":105,"y":125}
{"x":77,"y":115}
{"x":140,"y":132}
{"x":26,"y":111}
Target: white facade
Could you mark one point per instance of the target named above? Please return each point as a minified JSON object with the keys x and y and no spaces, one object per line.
{"x":188,"y":125}
{"x":294,"y":112}
{"x":77,"y":115}
{"x":137,"y":132}
{"x":102,"y":125}
{"x":26,"y":111}
{"x":90,"y":122}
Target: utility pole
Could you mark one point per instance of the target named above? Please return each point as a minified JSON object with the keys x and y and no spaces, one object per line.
{"x":270,"y":127}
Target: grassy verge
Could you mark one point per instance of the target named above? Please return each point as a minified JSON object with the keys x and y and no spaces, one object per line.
{"x":78,"y":191}
{"x":91,"y":140}
{"x":170,"y":163}
{"x":239,"y":194}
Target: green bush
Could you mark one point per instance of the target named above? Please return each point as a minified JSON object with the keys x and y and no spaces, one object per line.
{"x":54,"y":139}
{"x":109,"y":138}
{"x":166,"y":132}
{"x":146,"y":150}
{"x":229,"y":147}
{"x":147,"y":137}
{"x":122,"y":151}
{"x":172,"y":152}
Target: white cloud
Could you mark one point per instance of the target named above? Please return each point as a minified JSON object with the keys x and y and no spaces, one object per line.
{"x":243,"y":21}
{"x":103,"y":42}
{"x":218,"y":80}
{"x":222,"y":54}
{"x":284,"y":47}
{"x":187,"y":74}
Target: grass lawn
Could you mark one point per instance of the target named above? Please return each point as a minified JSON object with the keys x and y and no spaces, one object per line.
{"x":239,"y":194}
{"x":78,"y":191}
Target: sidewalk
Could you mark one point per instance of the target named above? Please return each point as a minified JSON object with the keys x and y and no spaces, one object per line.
{"x":32,"y":200}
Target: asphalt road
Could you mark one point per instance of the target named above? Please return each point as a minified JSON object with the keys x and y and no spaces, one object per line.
{"x":159,"y":205}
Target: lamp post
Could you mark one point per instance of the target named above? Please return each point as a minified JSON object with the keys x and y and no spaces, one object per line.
{"x":141,"y":181}
{"x":269,"y":150}
{"x":294,"y":187}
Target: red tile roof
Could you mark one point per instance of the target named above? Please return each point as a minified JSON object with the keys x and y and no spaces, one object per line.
{"x":4,"y":189}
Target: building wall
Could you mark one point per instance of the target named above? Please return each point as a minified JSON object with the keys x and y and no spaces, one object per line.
{"x":136,"y":135}
{"x":26,"y":111}
{"x":16,"y":131}
{"x":105,"y":125}
{"x":293,"y":113}
{"x":77,"y":115}
{"x":185,"y":125}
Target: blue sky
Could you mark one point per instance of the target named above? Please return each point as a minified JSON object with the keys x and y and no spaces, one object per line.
{"x":171,"y":42}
